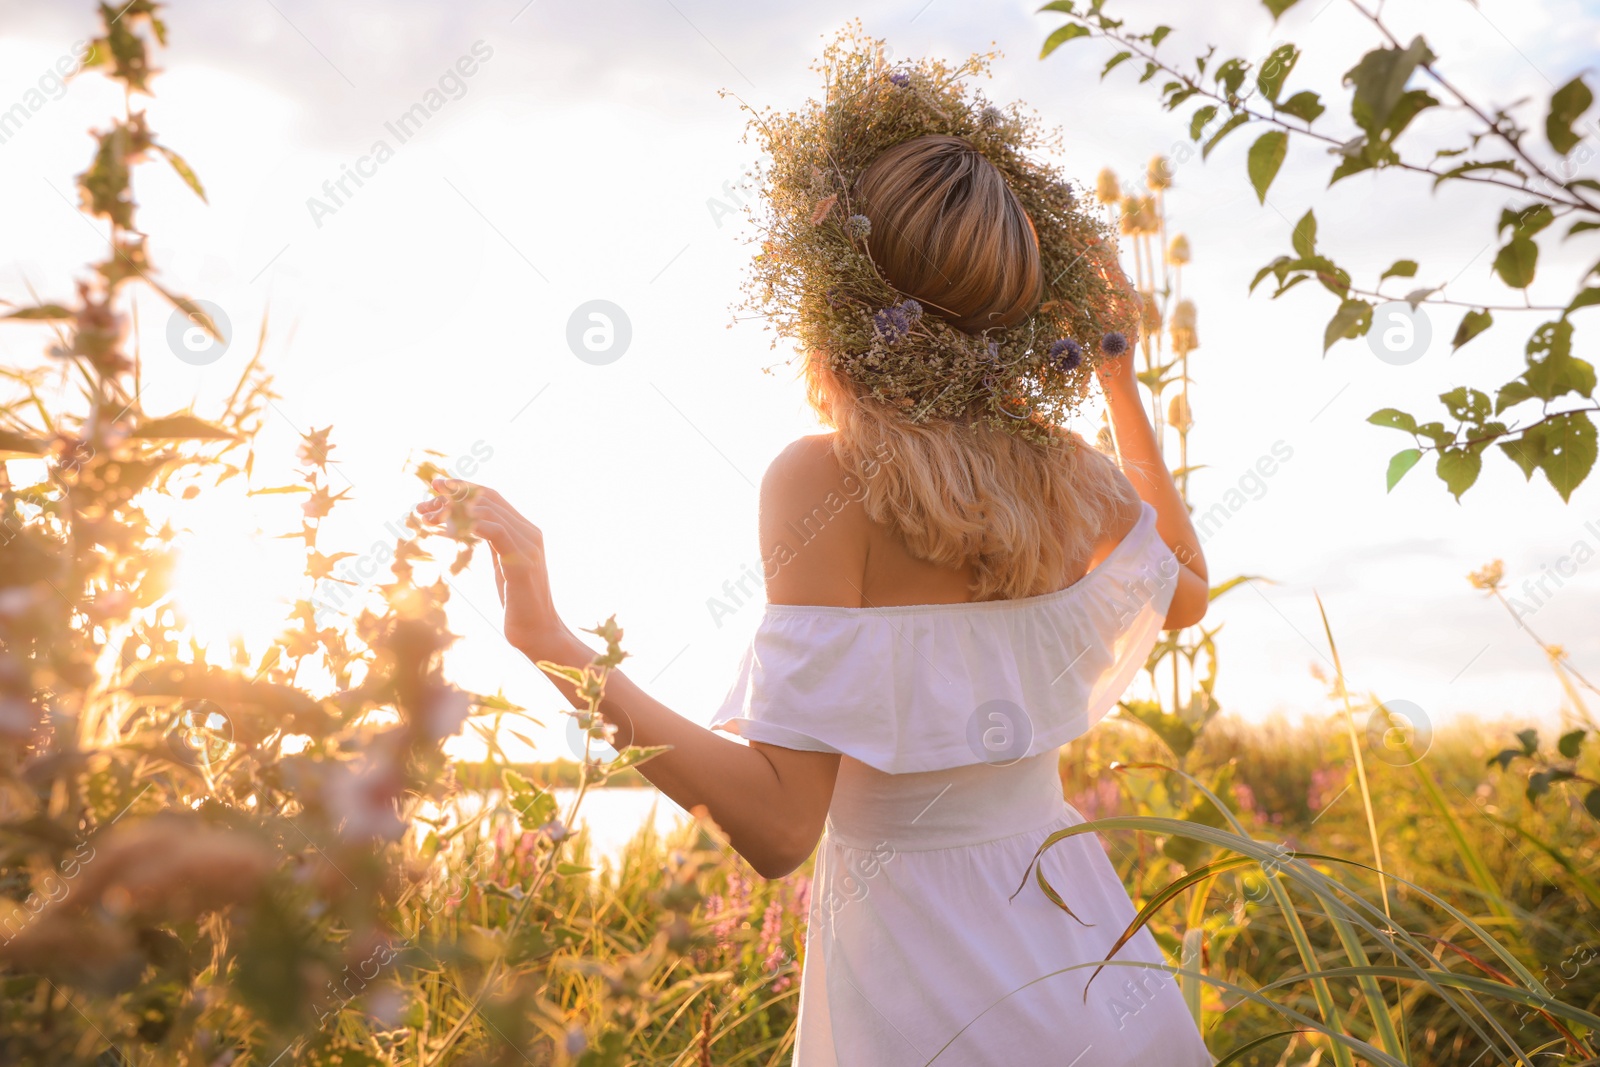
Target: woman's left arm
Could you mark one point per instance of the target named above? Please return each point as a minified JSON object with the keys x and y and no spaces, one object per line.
{"x":1145,"y":468}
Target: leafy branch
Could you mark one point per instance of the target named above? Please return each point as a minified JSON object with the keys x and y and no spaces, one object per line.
{"x":1492,"y":151}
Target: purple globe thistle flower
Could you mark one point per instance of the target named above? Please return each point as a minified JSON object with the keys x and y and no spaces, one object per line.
{"x":858,"y":226}
{"x":900,"y":78}
{"x":912,"y":309}
{"x":1066,"y":354}
{"x":891,"y":324}
{"x":1113,"y":344}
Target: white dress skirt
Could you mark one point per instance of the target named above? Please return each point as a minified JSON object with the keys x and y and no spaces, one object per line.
{"x":920,"y":948}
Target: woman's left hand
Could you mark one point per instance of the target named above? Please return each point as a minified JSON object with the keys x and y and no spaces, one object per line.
{"x":520,"y":573}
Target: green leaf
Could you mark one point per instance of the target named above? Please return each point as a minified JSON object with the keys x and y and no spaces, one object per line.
{"x":41,"y":313}
{"x":1402,"y":268}
{"x":1570,"y":743}
{"x":1380,"y":81}
{"x":1552,"y":369}
{"x":1304,"y":105}
{"x":1569,"y":451}
{"x":1589,"y":296}
{"x":1472,"y":324}
{"x":1159,"y":34}
{"x":572,"y":868}
{"x":190,"y":178}
{"x":181,"y":428}
{"x":1459,"y":468}
{"x":1227,"y":127}
{"x":1265,"y":157}
{"x":1401,"y":462}
{"x":1061,"y":36}
{"x":1395,"y":419}
{"x":1579,"y":227}
{"x":1468,"y":168}
{"x":1527,"y":222}
{"x":1353,"y":319}
{"x":1275,"y":68}
{"x":1516,"y":262}
{"x":1566,"y":104}
{"x":1304,"y":238}
{"x":1112,"y":63}
{"x":1530,"y":741}
{"x":1591,"y":802}
{"x":1198,"y":121}
{"x":1466,"y":404}
{"x":1278,"y":7}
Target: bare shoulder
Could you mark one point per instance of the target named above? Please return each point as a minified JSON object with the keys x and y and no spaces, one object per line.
{"x":1119,"y":524}
{"x":813,"y":528}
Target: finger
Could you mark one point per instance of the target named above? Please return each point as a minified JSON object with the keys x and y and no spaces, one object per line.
{"x":499,"y":579}
{"x":499,"y":539}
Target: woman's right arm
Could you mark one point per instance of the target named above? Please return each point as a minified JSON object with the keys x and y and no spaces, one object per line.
{"x":771,"y":802}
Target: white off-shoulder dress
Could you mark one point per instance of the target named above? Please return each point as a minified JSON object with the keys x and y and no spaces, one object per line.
{"x":949,"y":718}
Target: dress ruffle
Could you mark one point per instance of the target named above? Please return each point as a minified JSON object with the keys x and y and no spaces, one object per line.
{"x":935,"y":686}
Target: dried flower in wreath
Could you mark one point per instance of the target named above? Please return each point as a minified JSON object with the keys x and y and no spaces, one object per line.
{"x":815,"y":282}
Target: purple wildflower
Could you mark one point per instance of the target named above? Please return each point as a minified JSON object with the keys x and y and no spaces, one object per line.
{"x":1066,"y":354}
{"x":858,"y":226}
{"x":912,"y":309}
{"x":992,"y":352}
{"x":1113,"y":344}
{"x":900,"y":78}
{"x":892,"y":323}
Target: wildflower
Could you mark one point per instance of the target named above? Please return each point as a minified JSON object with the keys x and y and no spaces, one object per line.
{"x":900,"y":78}
{"x":891,"y":323}
{"x":1184,"y":337}
{"x":770,"y":944}
{"x":1245,"y":797}
{"x":443,"y":711}
{"x":365,"y":796}
{"x":1178,"y":251}
{"x":1159,"y":174}
{"x":1327,"y":783}
{"x":912,"y":309}
{"x":992,"y":352}
{"x":1066,"y":354}
{"x":991,"y":117}
{"x":1106,"y":189}
{"x":858,"y":226}
{"x":824,"y":206}
{"x":1113,"y":344}
{"x":577,"y":1042}
{"x":1489,"y":577}
{"x":556,"y":830}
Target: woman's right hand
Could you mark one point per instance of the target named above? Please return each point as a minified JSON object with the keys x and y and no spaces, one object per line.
{"x":521,"y":576}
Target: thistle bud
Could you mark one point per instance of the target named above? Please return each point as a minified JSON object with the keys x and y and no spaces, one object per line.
{"x":1106,"y":189}
{"x":1159,"y":174}
{"x":1184,"y":337}
{"x":1178,"y":414}
{"x":1178,"y":251}
{"x":1149,"y":313}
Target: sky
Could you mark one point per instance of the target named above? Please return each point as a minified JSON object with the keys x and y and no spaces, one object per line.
{"x":592,"y":152}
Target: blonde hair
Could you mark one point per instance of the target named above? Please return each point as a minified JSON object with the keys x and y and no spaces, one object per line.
{"x":947,"y":231}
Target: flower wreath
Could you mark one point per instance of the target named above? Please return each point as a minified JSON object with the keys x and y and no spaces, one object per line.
{"x":816,"y":283}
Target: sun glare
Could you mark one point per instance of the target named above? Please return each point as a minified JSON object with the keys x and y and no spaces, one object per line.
{"x":231,"y":578}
